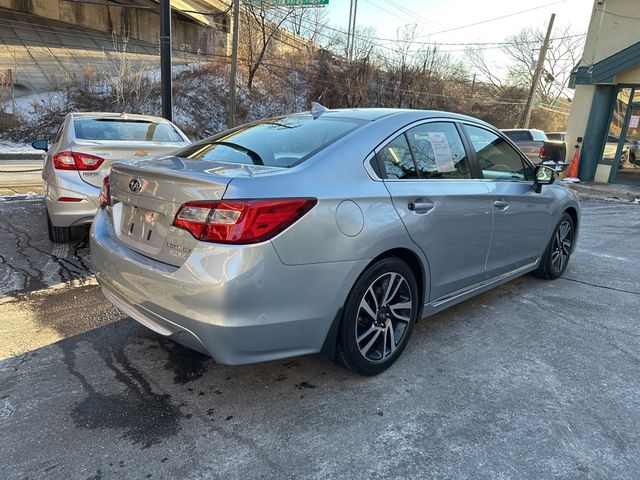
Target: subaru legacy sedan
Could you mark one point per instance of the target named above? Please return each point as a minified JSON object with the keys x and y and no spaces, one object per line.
{"x":332,"y":231}
{"x":81,"y":154}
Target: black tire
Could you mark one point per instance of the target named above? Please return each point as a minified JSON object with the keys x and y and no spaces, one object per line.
{"x":558,"y":252}
{"x":388,"y":277}
{"x":58,"y":234}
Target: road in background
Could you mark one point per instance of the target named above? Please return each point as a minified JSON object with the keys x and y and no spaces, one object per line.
{"x":20,"y":176}
{"x":535,"y":379}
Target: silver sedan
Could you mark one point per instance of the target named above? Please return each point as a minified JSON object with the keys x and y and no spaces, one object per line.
{"x":80,"y":156}
{"x":332,"y":231}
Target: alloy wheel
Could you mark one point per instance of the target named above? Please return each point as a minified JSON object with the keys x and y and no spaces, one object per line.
{"x":383,"y":317}
{"x":561,"y":246}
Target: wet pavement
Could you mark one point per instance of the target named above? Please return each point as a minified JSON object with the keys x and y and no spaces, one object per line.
{"x":535,"y":379}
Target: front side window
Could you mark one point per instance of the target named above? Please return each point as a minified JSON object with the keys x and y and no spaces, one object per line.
{"x":497,"y":159}
{"x":438,"y":151}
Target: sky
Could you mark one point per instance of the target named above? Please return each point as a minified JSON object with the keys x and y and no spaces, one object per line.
{"x":434,"y":17}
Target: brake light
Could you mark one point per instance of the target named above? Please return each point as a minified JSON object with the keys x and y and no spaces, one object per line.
{"x":241,"y":221}
{"x":105,"y":193}
{"x":69,"y":199}
{"x":76,"y":161}
{"x":543,"y":152}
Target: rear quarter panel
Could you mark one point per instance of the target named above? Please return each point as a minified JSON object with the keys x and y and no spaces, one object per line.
{"x":347,"y":195}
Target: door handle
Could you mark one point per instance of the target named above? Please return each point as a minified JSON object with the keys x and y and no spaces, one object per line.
{"x":501,"y":204}
{"x":420,"y":205}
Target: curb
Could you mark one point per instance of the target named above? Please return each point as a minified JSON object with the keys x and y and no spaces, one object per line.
{"x":606,"y":192}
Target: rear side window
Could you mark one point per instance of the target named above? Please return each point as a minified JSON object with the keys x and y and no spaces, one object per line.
{"x":497,"y":159}
{"x":397,"y":160}
{"x":518,"y":135}
{"x":539,"y":135}
{"x":125,"y":130}
{"x":280,"y":142}
{"x":438,"y":151}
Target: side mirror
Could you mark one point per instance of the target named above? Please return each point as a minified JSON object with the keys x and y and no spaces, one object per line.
{"x":543,"y":176}
{"x":41,"y":145}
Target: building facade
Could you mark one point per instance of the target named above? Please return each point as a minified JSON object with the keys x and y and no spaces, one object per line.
{"x":605,"y":112}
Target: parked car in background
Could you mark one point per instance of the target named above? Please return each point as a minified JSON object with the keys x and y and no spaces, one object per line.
{"x":80,"y":156}
{"x":536,"y":146}
{"x":330,"y":231}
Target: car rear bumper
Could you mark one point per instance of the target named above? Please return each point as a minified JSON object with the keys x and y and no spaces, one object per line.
{"x":68,"y":214}
{"x":237,"y":304}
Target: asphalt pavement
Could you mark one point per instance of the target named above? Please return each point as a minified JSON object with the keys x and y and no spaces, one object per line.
{"x":535,"y":379}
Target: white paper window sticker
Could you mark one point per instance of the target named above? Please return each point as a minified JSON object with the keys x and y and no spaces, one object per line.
{"x":442,"y":152}
{"x":634,"y":121}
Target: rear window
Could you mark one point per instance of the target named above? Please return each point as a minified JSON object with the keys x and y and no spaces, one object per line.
{"x":126,"y":130}
{"x":279,"y":142}
{"x":555,"y":136}
{"x":518,"y":135}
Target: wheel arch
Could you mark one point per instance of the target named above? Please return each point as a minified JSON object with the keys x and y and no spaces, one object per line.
{"x":420,"y":271}
{"x":573,"y":213}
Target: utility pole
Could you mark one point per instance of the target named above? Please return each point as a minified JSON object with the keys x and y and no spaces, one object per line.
{"x":349,"y":30}
{"x":231,"y":122}
{"x":537,"y":74}
{"x":165,"y":58}
{"x":353,"y":29}
{"x":473,"y":85}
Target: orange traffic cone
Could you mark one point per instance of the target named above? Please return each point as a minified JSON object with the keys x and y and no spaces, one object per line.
{"x":572,"y":174}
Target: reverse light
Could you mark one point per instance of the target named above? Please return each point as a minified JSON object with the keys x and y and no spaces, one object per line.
{"x":76,"y":161}
{"x":241,"y":221}
{"x":105,"y":193}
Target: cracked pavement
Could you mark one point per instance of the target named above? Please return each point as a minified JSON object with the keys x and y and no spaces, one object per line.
{"x":534,"y":379}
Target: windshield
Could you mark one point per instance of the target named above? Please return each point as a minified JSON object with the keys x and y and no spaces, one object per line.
{"x":127,"y":130}
{"x":279,"y":142}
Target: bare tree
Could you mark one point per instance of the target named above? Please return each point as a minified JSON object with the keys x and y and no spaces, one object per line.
{"x":563,"y":53}
{"x":310,"y":23}
{"x":263,"y":24}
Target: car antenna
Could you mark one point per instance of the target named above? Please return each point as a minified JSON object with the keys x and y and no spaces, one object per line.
{"x":317,"y":109}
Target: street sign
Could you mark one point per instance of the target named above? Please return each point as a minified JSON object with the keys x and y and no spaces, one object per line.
{"x":289,"y":3}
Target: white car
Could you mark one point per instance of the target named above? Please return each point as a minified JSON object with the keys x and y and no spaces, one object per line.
{"x":80,"y":156}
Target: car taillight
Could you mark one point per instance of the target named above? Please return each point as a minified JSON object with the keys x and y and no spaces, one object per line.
{"x":241,"y":221}
{"x":543,"y":152}
{"x":105,"y":193}
{"x":76,"y":161}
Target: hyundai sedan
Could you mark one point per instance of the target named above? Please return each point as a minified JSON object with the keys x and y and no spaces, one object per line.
{"x":332,"y":231}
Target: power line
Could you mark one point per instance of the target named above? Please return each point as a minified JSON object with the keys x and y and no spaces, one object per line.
{"x":488,"y":20}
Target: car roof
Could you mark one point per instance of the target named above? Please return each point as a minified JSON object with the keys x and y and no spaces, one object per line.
{"x":521,"y":130}
{"x":373,"y":114}
{"x":114,"y":115}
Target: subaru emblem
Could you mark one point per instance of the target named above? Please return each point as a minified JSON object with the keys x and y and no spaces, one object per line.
{"x":135,"y":185}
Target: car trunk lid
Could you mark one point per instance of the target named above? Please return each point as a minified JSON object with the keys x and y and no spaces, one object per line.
{"x":118,"y":150}
{"x":146,"y":196}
